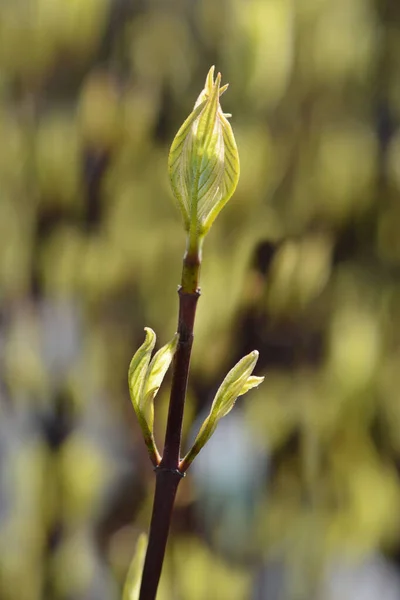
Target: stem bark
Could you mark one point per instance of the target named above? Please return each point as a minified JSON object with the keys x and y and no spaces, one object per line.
{"x":168,"y":474}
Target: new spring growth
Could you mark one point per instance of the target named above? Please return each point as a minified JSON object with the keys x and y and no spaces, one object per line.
{"x":203,"y":166}
{"x":144,"y":379}
{"x":238,"y":381}
{"x":203,"y":162}
{"x":204,"y":170}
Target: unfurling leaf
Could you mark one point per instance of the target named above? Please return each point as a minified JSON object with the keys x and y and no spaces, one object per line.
{"x":139,"y":366}
{"x":155,"y":374}
{"x":144,"y":379}
{"x":237,"y":382}
{"x":203,"y":161}
{"x":133,"y":579}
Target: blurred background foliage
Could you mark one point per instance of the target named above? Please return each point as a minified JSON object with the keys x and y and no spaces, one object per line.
{"x":297,"y":495}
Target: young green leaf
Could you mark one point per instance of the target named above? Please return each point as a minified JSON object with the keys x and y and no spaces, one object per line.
{"x":237,"y":382}
{"x":144,"y":379}
{"x":158,"y":367}
{"x":138,"y":368}
{"x":203,"y":161}
{"x":133,"y":579}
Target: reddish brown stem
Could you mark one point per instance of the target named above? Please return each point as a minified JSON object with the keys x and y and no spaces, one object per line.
{"x":187,"y":312}
{"x":167,"y":483}
{"x":168,"y":475}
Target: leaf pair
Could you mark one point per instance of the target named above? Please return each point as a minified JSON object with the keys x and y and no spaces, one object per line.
{"x":145,"y":377}
{"x":238,"y":381}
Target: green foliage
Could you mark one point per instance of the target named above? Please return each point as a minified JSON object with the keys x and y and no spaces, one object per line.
{"x":145,"y":378}
{"x":238,"y":381}
{"x":203,"y":161}
{"x":318,"y":178}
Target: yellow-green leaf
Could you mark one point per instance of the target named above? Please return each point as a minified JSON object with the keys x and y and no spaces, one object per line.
{"x":138,"y":368}
{"x":145,"y":377}
{"x":237,"y":382}
{"x":155,"y":374}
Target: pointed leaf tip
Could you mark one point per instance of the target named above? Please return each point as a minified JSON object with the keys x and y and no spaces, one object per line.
{"x":138,"y":367}
{"x":158,"y":367}
{"x":234,"y":385}
{"x":145,"y":376}
{"x":237,"y":382}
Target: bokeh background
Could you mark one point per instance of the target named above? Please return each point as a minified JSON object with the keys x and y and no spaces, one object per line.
{"x":297,"y":495}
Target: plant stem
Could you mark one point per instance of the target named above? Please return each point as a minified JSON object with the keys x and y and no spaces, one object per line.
{"x":168,"y":474}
